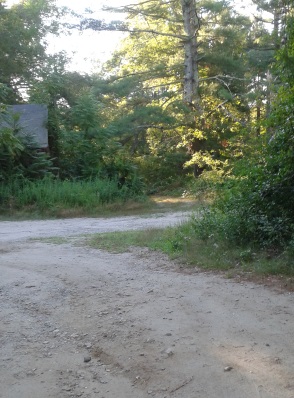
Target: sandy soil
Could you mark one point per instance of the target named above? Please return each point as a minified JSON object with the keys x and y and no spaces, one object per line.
{"x":80,"y":322}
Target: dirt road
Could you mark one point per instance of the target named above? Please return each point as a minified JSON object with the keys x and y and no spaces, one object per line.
{"x":79,"y":322}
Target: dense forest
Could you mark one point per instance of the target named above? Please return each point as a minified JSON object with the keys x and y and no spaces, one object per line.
{"x":199,"y":96}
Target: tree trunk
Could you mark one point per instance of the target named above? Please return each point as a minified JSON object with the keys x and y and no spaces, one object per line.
{"x":191,"y":78}
{"x":191,"y":75}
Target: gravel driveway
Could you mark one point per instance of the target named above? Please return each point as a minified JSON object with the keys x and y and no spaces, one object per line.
{"x":81,"y":322}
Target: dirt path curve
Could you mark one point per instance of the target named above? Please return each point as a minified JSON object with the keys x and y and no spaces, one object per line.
{"x":79,"y":322}
{"x":17,"y":230}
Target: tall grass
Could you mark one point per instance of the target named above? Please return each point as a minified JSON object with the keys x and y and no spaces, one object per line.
{"x":50,"y":195}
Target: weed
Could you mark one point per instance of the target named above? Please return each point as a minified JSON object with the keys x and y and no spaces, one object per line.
{"x":53,"y":197}
{"x":119,"y":242}
{"x":55,"y":240}
{"x":184,"y":244}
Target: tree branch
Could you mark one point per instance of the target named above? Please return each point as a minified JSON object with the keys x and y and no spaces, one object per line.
{"x":130,"y":10}
{"x":118,"y":26}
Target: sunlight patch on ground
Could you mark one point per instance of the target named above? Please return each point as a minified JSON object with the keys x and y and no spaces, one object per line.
{"x":172,"y":200}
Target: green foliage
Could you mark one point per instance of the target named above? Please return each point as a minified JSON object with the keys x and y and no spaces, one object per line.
{"x":199,"y":243}
{"x":49,"y":195}
{"x":32,"y":163}
{"x":87,"y":157}
{"x":80,"y":157}
{"x":85,"y":115}
{"x":162,"y":171}
{"x":6,"y":93}
{"x":256,"y":206}
{"x":150,"y":63}
{"x":22,"y":46}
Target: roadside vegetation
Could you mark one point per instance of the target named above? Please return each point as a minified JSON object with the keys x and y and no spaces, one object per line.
{"x":56,"y":198}
{"x":191,"y":250}
{"x":221,"y":135}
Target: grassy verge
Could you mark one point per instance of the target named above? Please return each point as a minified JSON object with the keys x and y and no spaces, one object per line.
{"x":65,"y":199}
{"x":119,"y":242}
{"x":138,"y":206}
{"x":33,"y":212}
{"x":183,"y":244}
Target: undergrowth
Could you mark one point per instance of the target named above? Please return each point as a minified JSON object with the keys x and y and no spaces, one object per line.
{"x":53,"y":197}
{"x":193,"y":249}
